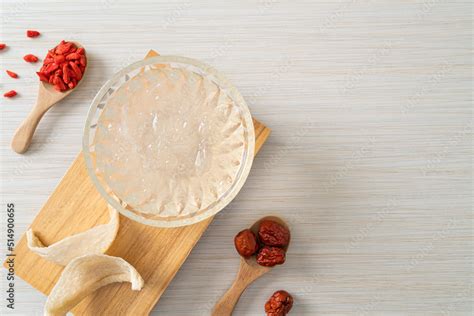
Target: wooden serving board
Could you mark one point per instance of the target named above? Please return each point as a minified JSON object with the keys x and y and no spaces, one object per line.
{"x":157,"y":253}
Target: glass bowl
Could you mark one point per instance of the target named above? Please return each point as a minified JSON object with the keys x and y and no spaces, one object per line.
{"x":99,"y":104}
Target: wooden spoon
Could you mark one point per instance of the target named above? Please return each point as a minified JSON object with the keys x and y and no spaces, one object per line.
{"x":47,"y":97}
{"x":249,"y":271}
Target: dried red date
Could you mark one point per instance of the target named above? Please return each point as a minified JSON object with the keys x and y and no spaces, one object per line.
{"x":270,"y":256}
{"x":279,"y":304}
{"x":246,"y":243}
{"x":273,"y":234}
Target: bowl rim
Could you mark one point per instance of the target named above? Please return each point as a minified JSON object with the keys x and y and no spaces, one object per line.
{"x":224,"y":84}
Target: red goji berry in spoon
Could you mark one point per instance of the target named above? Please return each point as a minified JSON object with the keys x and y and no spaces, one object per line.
{"x":58,"y":79}
{"x":63,"y":66}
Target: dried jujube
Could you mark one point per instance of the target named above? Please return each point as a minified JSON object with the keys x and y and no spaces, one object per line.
{"x":279,"y":304}
{"x":271,"y":256}
{"x":246,"y":243}
{"x":272,"y":233}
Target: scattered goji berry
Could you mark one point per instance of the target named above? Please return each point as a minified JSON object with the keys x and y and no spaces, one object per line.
{"x":12,"y":74}
{"x":2,"y":46}
{"x":31,"y":33}
{"x":10,"y":94}
{"x":30,"y":58}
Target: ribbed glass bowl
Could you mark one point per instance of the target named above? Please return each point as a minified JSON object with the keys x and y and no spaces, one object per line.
{"x":100,"y":102}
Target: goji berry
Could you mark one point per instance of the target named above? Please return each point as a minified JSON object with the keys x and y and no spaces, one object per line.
{"x":73,"y":56}
{"x":63,"y":47}
{"x":50,"y":68}
{"x":83,"y":61}
{"x":12,"y":74}
{"x":63,"y":66}
{"x":60,"y":84}
{"x":30,"y":58}
{"x":42,"y":76}
{"x":31,"y":33}
{"x":66,"y":78}
{"x":58,"y":59}
{"x":10,"y":94}
{"x":2,"y":46}
{"x":48,"y":60}
{"x":77,"y":71}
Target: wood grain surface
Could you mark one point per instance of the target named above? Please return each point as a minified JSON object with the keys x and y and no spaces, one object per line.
{"x":370,"y":158}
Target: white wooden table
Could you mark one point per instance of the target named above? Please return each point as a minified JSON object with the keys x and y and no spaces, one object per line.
{"x":370,"y":159}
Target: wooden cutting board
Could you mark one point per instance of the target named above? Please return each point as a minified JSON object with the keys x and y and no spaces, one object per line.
{"x":157,"y":253}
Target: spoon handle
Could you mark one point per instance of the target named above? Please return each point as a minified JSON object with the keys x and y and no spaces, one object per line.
{"x":246,"y":275}
{"x":226,"y":304}
{"x":23,"y":135}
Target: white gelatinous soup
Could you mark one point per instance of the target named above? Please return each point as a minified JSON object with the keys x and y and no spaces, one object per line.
{"x":169,"y":142}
